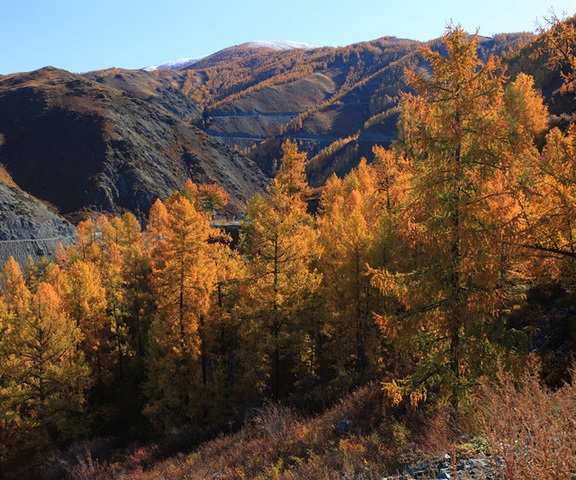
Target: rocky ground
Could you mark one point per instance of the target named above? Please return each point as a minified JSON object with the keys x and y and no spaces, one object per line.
{"x":479,"y":467}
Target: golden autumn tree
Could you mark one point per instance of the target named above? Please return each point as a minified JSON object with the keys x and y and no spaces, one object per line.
{"x":115,"y":247}
{"x":82,"y":288}
{"x":280,"y":244}
{"x":112,"y":269}
{"x":185,"y":276}
{"x":457,"y":135}
{"x":351,"y":233}
{"x":42,"y":369}
{"x":392,"y":177}
{"x":550,"y":234}
{"x":220,"y":334}
{"x":14,"y":289}
{"x":137,"y":302}
{"x":125,"y":269}
{"x":84,"y":298}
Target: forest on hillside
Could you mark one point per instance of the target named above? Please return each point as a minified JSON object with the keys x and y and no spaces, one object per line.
{"x":410,"y":272}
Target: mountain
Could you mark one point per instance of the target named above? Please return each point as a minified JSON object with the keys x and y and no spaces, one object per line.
{"x":336,"y":102}
{"x":183,"y":63}
{"x":84,"y":146}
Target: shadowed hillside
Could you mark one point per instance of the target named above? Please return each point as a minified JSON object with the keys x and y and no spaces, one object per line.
{"x":83,"y":146}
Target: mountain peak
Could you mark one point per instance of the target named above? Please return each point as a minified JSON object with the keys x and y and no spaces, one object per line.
{"x":184,"y":63}
{"x":174,"y":64}
{"x":279,"y":44}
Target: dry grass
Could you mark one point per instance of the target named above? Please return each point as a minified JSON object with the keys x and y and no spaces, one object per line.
{"x":276,"y":443}
{"x":527,"y":432}
{"x":530,"y":428}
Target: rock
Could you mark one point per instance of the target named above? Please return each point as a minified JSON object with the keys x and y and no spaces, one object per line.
{"x":478,"y":467}
{"x":29,"y":228}
{"x":344,"y":426}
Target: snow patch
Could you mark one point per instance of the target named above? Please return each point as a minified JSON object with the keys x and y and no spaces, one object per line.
{"x":280,"y":44}
{"x":271,"y":45}
{"x":174,"y":64}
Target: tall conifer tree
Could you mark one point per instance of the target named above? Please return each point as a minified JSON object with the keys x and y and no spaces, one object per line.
{"x":280,"y":242}
{"x":458,"y":137}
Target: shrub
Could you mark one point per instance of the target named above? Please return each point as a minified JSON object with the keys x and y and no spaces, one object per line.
{"x":531,"y":428}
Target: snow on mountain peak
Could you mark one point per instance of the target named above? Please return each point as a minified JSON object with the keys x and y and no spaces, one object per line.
{"x":175,"y":64}
{"x":269,"y":44}
{"x":280,"y":44}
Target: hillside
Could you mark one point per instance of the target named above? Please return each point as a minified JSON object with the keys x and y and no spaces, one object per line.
{"x":29,"y":227}
{"x":83,"y":146}
{"x":336,"y":102}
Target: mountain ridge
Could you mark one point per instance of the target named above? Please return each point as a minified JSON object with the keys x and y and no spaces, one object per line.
{"x":184,"y":63}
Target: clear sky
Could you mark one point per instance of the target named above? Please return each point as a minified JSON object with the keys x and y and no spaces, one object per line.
{"x":82,"y":35}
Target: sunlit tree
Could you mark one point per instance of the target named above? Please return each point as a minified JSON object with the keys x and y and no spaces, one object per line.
{"x":280,"y":242}
{"x":463,"y":150}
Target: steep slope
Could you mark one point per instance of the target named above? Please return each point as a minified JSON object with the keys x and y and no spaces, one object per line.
{"x":166,"y":89}
{"x":28,"y":228}
{"x":337,"y":102}
{"x":85,"y":146}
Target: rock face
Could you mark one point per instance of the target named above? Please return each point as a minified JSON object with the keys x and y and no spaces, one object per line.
{"x":28,"y":228}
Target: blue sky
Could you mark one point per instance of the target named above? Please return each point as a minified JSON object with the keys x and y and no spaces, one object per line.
{"x":82,"y":35}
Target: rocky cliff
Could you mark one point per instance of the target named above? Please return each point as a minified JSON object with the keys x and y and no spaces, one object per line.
{"x":29,"y":228}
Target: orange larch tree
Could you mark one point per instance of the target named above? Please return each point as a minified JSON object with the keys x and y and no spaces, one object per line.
{"x":280,"y":242}
{"x":458,"y":137}
{"x":184,"y":279}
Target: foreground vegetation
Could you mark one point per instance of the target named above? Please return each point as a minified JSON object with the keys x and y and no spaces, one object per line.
{"x":522,"y":430}
{"x":408,"y":275}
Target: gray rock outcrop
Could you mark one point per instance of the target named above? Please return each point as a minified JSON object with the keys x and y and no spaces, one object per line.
{"x":29,"y":228}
